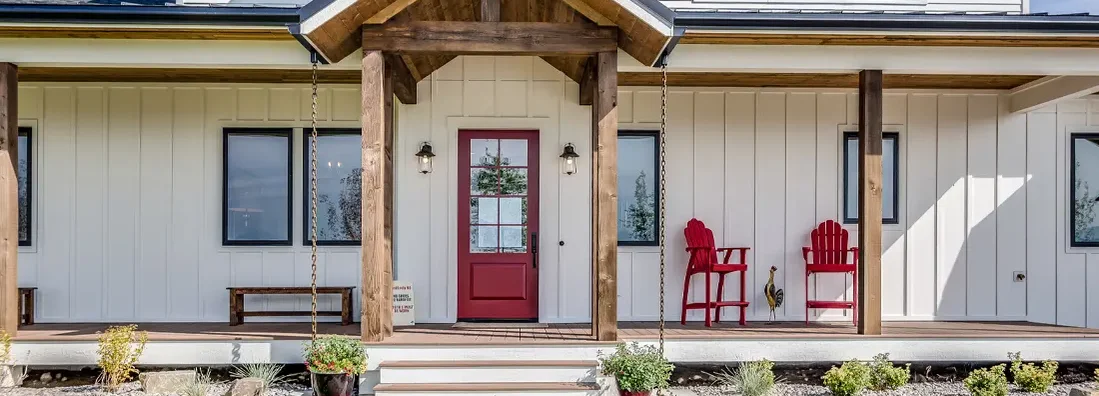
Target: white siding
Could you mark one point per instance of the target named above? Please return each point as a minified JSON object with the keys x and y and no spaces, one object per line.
{"x":127,"y":211}
{"x":972,"y":6}
{"x":980,"y":198}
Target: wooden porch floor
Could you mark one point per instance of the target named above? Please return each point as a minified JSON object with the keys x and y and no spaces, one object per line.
{"x":440,"y":334}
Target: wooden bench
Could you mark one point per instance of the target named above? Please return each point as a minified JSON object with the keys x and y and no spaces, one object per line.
{"x":26,"y":308}
{"x":236,"y":302}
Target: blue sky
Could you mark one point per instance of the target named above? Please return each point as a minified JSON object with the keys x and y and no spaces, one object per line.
{"x":1064,"y":6}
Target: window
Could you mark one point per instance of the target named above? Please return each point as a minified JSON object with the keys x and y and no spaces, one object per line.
{"x":256,"y":194}
{"x":890,"y":174}
{"x":1085,"y":189}
{"x":339,"y":187}
{"x":638,"y":169}
{"x":24,"y":177}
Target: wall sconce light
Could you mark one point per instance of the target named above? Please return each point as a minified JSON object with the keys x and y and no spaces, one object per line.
{"x":568,"y":159}
{"x":425,"y":155}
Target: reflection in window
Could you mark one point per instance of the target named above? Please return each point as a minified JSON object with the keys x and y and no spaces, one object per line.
{"x":339,"y":187}
{"x":637,"y":188}
{"x":1085,"y":190}
{"x":890,"y":169}
{"x":257,"y":187}
{"x":24,"y":177}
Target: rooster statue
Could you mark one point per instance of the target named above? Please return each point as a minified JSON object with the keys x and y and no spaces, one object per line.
{"x":774,"y":296}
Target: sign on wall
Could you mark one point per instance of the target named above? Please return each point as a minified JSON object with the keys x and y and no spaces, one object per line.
{"x":404,"y":311}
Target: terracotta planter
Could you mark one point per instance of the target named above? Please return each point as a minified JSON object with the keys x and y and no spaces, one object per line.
{"x":634,"y":393}
{"x":338,"y":384}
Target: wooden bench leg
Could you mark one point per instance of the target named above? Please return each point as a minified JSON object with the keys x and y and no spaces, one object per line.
{"x":28,"y":309}
{"x":345,"y":310}
{"x":236,"y":306}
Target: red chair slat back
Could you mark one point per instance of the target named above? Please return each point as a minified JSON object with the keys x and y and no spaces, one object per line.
{"x":700,"y":244}
{"x":829,"y":242}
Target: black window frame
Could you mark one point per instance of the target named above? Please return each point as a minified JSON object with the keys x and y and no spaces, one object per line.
{"x":1072,"y":189}
{"x":306,"y":184}
{"x":852,"y":218}
{"x":287,"y":133}
{"x":656,"y":189}
{"x":29,"y":155}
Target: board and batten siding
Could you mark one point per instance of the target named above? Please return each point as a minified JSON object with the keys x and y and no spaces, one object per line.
{"x":127,"y":212}
{"x":969,"y":6}
{"x":982,"y":196}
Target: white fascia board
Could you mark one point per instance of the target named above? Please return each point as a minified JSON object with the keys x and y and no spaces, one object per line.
{"x":160,"y":53}
{"x":876,"y":33}
{"x":328,"y":12}
{"x":167,"y":28}
{"x":1050,"y":90}
{"x":896,"y":60}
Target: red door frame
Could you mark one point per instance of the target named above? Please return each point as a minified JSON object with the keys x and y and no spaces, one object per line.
{"x":521,"y":304}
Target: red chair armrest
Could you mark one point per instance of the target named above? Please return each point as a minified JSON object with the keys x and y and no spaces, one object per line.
{"x":855,"y":254}
{"x":729,"y":254}
{"x":805,"y":253}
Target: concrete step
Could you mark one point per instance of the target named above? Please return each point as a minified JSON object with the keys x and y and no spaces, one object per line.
{"x":494,"y":371}
{"x":495,"y":389}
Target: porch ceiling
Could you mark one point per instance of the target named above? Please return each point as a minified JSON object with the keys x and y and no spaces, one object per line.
{"x":639,"y":34}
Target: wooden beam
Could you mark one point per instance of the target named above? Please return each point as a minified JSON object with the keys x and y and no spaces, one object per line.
{"x":9,"y":198}
{"x":377,"y":198}
{"x":824,"y":80}
{"x":158,"y":33}
{"x":489,"y":38}
{"x":605,"y":211}
{"x":389,"y":11}
{"x":587,"y":83}
{"x":893,"y":40}
{"x":1050,"y":90}
{"x":589,"y":12}
{"x":404,"y":83}
{"x":490,"y":10}
{"x":187,"y":75}
{"x":870,"y":202}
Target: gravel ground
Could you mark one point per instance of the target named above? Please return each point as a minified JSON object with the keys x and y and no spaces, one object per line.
{"x":133,"y":389}
{"x":916,"y":389}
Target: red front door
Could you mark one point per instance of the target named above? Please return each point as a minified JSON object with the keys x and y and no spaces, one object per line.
{"x":497,"y":225}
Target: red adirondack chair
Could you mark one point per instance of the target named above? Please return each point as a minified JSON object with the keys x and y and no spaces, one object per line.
{"x":830,"y":255}
{"x":703,"y":260}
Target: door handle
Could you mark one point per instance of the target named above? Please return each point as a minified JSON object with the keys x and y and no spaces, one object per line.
{"x":534,"y":249}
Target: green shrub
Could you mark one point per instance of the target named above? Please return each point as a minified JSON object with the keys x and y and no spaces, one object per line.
{"x":637,"y":368}
{"x":335,"y":354}
{"x":885,"y":376}
{"x":117,"y":354}
{"x":987,"y":382}
{"x":1030,"y":377}
{"x":268,"y":373}
{"x":1096,"y":375}
{"x":5,"y":347}
{"x":849,"y":379}
{"x":750,"y":378}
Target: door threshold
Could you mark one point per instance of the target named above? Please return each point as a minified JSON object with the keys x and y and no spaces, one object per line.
{"x":500,"y":325}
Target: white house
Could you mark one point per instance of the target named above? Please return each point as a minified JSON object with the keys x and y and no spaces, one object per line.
{"x":164,"y":156}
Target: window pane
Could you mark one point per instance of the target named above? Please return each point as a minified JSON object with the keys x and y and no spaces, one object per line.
{"x":257,"y":187}
{"x":637,"y":185}
{"x":513,"y":152}
{"x":484,"y":152}
{"x":889,"y":182}
{"x":24,"y":187}
{"x":484,"y":210}
{"x":339,"y":188}
{"x":1086,"y":190}
{"x":483,"y":239}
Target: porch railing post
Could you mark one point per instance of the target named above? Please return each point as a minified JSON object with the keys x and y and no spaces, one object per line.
{"x":377,"y":198}
{"x":870,"y":202}
{"x":9,"y":198}
{"x":605,"y":197}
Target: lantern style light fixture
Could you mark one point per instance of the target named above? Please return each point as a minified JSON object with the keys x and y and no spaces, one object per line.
{"x":568,"y":159}
{"x":425,"y":155}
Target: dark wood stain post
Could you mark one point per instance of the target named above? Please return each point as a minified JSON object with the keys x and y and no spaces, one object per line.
{"x":870,"y":202}
{"x":605,"y":197}
{"x":9,"y":198}
{"x":377,"y":198}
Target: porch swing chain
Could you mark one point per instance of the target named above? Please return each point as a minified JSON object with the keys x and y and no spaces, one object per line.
{"x":313,"y":206}
{"x":663,"y":185}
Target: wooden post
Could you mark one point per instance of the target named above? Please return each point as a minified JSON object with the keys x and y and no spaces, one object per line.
{"x":9,"y":198}
{"x":377,"y":198}
{"x":605,"y":198}
{"x":870,"y":201}
{"x":490,"y":10}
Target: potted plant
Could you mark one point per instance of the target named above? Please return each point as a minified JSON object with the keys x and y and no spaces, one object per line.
{"x":637,"y":369}
{"x":335,"y":364}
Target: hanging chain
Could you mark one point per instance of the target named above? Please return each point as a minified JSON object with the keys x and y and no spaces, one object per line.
{"x":313,"y":204}
{"x":663,"y":184}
